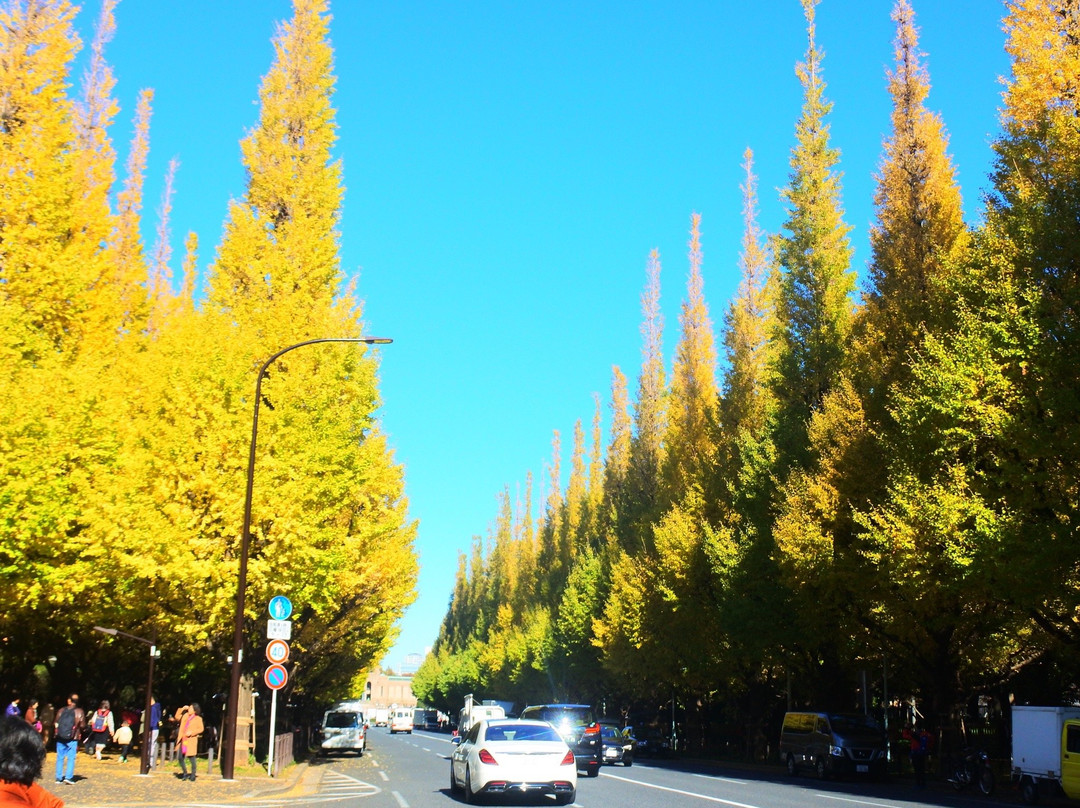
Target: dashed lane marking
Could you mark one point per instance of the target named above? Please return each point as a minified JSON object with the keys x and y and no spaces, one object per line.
{"x":685,"y":793}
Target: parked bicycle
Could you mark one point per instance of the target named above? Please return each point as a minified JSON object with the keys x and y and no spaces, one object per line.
{"x":972,"y":768}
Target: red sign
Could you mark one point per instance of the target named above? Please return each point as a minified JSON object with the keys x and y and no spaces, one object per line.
{"x":275,"y":677}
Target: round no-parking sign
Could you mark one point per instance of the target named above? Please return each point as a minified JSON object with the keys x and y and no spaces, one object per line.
{"x":275,"y":677}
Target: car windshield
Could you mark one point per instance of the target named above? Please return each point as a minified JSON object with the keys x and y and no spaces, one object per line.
{"x":568,"y":715}
{"x":521,"y":732}
{"x":343,"y":720}
{"x":853,"y":723}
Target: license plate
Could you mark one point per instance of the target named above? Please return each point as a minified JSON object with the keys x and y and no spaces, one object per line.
{"x":862,"y":769}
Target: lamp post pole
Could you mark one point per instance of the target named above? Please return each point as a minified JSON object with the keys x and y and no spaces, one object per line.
{"x":228,"y":751}
{"x":144,"y":757}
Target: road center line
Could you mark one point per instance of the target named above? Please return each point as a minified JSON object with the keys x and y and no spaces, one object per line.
{"x":860,"y":802}
{"x":718,"y":779}
{"x":383,"y":775}
{"x":681,"y":791}
{"x":400,"y":800}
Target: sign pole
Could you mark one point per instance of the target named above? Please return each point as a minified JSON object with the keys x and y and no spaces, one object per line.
{"x":278,"y":630}
{"x":273,"y":733}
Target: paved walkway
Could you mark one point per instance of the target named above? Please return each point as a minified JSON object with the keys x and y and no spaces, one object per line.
{"x":108,"y":782}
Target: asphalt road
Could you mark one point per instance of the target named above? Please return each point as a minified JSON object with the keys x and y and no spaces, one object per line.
{"x":412,"y":771}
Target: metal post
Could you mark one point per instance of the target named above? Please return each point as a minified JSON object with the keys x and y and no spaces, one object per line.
{"x":228,"y":751}
{"x":273,"y":734}
{"x":144,"y":764}
{"x":144,"y":758}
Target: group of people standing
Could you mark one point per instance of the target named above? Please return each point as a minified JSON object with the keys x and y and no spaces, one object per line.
{"x":71,"y":725}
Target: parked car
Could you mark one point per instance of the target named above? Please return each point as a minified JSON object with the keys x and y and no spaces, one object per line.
{"x":577,"y":725}
{"x":650,"y":742}
{"x":343,"y":730}
{"x":833,"y":744}
{"x":512,"y":755}
{"x":618,"y":744}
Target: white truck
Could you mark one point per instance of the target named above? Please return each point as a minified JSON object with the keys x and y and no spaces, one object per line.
{"x":1046,"y":751}
{"x":473,"y":712}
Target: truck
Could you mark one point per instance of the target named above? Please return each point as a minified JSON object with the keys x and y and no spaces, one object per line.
{"x":1046,"y":751}
{"x":474,"y":711}
{"x":380,"y":716}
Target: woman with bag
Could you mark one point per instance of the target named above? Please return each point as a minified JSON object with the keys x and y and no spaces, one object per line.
{"x":31,"y":716}
{"x":187,"y":738}
{"x":101,"y":729}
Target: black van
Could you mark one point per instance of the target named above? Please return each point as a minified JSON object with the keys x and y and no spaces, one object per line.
{"x":833,"y":744}
{"x":577,"y":724}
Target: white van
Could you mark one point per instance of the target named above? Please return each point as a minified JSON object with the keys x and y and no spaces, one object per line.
{"x":343,"y":730}
{"x":401,"y":720}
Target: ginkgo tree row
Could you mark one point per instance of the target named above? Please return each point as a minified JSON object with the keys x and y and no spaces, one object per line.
{"x":126,"y":403}
{"x":885,"y":482}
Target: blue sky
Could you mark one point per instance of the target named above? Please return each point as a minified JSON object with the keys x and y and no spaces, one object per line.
{"x":509,"y":166}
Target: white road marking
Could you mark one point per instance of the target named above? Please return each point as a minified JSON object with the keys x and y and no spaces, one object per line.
{"x":858,"y":802}
{"x":705,"y":797}
{"x":400,"y":800}
{"x":383,"y":775}
{"x":718,"y":779}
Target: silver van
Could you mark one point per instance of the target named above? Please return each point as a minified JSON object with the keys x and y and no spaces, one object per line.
{"x":833,"y":744}
{"x":343,"y":730}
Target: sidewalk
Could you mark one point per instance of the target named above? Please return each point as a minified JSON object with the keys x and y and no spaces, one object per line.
{"x":108,"y":782}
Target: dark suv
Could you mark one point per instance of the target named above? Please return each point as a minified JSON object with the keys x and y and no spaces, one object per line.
{"x":577,"y":725}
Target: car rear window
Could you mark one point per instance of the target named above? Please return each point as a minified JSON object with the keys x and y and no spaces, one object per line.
{"x":521,"y":732}
{"x":343,"y":720}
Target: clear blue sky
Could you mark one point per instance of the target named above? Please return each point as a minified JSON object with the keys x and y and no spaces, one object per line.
{"x":510,"y":165}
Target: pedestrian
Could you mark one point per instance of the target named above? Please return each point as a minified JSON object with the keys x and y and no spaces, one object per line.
{"x":919,"y":740}
{"x":13,"y":709}
{"x":155,"y":728}
{"x":190,"y":721}
{"x":47,"y":717}
{"x":68,"y":728}
{"x":31,"y":716}
{"x":101,"y":728}
{"x":22,"y":755}
{"x":122,"y":737}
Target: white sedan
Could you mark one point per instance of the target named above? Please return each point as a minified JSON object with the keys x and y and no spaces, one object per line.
{"x":511,"y":756}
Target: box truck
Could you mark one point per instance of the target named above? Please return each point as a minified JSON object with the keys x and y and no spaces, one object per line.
{"x":1046,"y":751}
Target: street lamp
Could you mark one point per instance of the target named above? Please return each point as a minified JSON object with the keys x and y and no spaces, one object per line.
{"x":228,"y":752}
{"x":144,"y":758}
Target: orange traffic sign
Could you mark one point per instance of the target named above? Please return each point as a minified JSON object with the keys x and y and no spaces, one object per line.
{"x":277,"y":651}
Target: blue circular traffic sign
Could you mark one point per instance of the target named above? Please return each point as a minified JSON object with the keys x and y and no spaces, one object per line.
{"x":280,"y":607}
{"x":275,"y":677}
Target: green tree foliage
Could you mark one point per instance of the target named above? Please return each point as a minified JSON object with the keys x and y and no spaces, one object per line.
{"x":814,"y":295}
{"x":891,"y":484}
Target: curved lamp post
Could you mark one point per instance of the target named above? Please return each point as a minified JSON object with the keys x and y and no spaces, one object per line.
{"x":228,"y":751}
{"x":144,"y":757}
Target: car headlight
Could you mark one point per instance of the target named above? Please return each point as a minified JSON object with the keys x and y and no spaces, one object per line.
{"x":836,"y":751}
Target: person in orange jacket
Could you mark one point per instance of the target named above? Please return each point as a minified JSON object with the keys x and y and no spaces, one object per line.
{"x":22,"y":754}
{"x":187,"y":737}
